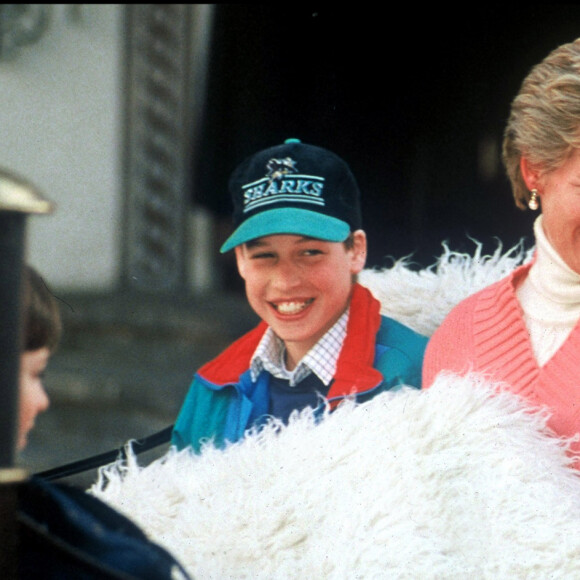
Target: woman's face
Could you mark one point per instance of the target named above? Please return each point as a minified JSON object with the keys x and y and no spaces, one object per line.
{"x":559,"y":192}
{"x":33,"y":398}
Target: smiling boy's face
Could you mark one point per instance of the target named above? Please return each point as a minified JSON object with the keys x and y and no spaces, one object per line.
{"x":299,"y":286}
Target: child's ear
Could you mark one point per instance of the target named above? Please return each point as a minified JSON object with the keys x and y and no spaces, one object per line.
{"x":359,"y":251}
{"x":241,"y":260}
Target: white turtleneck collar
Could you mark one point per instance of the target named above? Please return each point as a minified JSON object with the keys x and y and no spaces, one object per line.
{"x":549,"y":297}
{"x":550,"y":276}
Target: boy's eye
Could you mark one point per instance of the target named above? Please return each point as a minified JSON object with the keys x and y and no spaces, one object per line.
{"x":262,"y":255}
{"x":312,"y":252}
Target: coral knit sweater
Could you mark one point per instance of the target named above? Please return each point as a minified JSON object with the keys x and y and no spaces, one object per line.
{"x":487,"y":333}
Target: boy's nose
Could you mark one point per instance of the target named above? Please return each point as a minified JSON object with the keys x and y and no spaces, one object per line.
{"x":286,"y":274}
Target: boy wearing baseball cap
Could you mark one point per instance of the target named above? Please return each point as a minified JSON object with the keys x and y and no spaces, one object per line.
{"x":299,"y":246}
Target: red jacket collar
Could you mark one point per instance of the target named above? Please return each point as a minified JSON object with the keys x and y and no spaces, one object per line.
{"x":354,"y":372}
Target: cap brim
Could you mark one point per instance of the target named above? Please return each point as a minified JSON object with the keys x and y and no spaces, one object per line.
{"x":288,"y":220}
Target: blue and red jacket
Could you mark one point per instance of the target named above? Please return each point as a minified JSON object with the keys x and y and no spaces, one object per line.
{"x":378,"y":354}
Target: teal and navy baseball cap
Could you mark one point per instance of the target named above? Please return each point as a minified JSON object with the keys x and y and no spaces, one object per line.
{"x":293,"y":188}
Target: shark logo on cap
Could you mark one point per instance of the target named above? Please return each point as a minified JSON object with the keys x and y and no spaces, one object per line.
{"x":283,"y":184}
{"x":279,"y":167}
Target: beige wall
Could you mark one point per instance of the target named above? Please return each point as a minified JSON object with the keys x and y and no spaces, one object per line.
{"x":60,"y":120}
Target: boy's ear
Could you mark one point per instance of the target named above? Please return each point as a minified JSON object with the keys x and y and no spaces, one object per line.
{"x":241,"y":260}
{"x":359,"y":251}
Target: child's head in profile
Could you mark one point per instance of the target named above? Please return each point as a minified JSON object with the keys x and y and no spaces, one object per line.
{"x":42,"y":327}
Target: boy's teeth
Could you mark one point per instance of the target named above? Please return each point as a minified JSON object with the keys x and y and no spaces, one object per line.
{"x":290,"y":307}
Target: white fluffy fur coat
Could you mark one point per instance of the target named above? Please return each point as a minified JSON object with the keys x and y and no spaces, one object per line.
{"x":458,"y":481}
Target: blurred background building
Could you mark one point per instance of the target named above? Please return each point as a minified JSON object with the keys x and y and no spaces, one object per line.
{"x":130,"y":119}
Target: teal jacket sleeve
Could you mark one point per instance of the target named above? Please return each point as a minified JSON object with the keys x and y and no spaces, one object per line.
{"x":399,"y":354}
{"x":202,"y":416}
{"x":219,"y":413}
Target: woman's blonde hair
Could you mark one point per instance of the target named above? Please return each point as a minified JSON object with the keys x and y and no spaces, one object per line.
{"x":544,"y":122}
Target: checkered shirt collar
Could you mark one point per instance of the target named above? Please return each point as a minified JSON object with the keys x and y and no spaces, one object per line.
{"x":321,"y":359}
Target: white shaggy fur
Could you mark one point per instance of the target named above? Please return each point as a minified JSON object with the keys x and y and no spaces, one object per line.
{"x":458,"y":481}
{"x":452,"y":482}
{"x":421,"y":299}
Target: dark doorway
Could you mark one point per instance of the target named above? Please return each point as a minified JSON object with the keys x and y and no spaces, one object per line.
{"x":415,"y":103}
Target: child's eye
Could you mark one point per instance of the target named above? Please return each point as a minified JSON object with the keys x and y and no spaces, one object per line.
{"x":312,"y":252}
{"x":262,"y":255}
